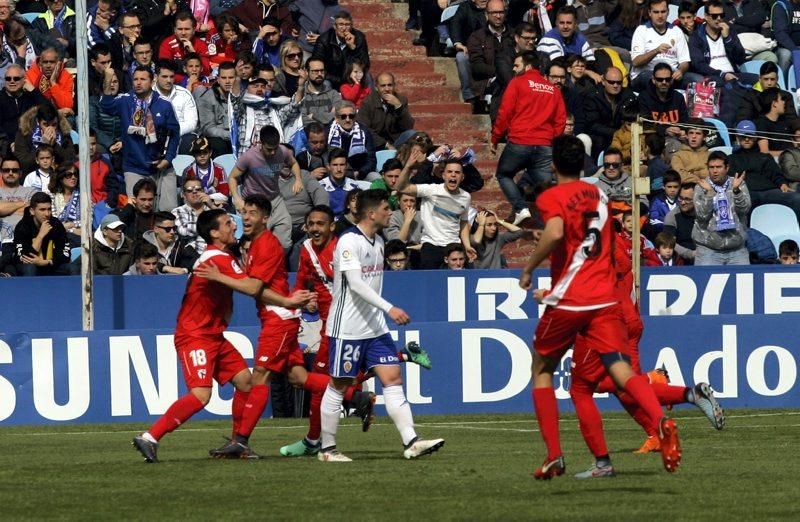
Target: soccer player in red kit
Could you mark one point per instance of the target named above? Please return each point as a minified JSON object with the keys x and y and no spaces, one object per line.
{"x":203,"y":351}
{"x":589,"y":376}
{"x":578,"y":239}
{"x":278,"y":348}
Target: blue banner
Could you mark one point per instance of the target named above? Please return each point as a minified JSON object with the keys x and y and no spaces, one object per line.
{"x":478,"y":367}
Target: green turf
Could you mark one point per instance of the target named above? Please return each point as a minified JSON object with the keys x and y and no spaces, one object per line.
{"x":483,"y":472}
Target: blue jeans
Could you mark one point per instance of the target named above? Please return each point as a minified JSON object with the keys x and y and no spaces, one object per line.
{"x":464,"y":75}
{"x":705,"y":256}
{"x":537,"y":162}
{"x":784,"y":58}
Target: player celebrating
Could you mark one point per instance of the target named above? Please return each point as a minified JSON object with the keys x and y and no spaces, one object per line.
{"x":204,"y":352}
{"x":359,"y":337}
{"x":278,"y":349}
{"x":578,"y":234}
{"x":315,"y":272}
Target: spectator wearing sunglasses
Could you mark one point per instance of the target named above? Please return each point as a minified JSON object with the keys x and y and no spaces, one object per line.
{"x":614,"y":181}
{"x":657,"y":42}
{"x":175,"y":255}
{"x":14,"y":102}
{"x":716,"y":50}
{"x":602,"y":110}
{"x":13,"y":196}
{"x":662,"y":103}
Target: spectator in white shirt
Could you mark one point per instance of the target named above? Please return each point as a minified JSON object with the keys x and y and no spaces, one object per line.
{"x":181,"y":100}
{"x":657,"y":41}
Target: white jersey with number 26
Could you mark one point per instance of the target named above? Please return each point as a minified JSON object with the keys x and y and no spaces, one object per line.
{"x":351,"y":317}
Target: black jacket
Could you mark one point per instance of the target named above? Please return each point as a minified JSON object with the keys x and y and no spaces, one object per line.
{"x":668,"y":112}
{"x":11,"y":109}
{"x":55,"y":245}
{"x":336,"y":59}
{"x":136,"y":223}
{"x":750,"y":107}
{"x":762,"y":171}
{"x":602,"y":119}
{"x":467,"y":20}
{"x":753,"y":16}
{"x":111,"y":261}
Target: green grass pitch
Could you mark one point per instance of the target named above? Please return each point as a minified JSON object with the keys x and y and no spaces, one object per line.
{"x":91,"y":472}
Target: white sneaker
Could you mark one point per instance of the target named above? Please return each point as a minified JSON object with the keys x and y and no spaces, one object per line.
{"x":333,"y":456}
{"x":422,"y":447}
{"x":521,"y":216}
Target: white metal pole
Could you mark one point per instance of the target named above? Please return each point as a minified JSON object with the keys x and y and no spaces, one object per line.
{"x":87,"y":282}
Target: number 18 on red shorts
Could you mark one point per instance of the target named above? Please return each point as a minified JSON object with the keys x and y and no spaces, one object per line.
{"x":206,"y":358}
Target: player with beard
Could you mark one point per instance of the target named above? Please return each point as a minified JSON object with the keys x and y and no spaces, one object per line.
{"x":315,"y":273}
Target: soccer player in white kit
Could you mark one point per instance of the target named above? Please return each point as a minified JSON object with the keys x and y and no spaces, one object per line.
{"x":359,"y":337}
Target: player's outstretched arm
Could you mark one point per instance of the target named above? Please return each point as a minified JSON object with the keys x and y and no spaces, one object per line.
{"x":551,"y":236}
{"x":365,"y":292}
{"x":298,"y":299}
{"x":247,"y":285}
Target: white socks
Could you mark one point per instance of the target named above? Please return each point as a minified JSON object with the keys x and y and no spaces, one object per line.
{"x":398,"y":409}
{"x":329,"y":411}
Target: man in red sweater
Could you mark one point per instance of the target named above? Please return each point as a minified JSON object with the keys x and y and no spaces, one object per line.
{"x":183,"y":42}
{"x":531,"y":114}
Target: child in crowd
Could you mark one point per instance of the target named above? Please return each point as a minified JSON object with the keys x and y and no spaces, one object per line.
{"x":455,"y":257}
{"x":488,"y":241}
{"x":211,"y":175}
{"x":623,"y":137}
{"x":687,"y":18}
{"x":355,"y":88}
{"x":395,"y":255}
{"x":40,"y":178}
{"x":665,"y":201}
{"x":654,"y":146}
{"x":193,"y":71}
{"x":648,"y":253}
{"x":576,"y":74}
{"x":788,"y":252}
{"x":665,"y":246}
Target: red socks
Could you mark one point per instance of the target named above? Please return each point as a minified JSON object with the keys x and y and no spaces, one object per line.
{"x":237,"y":409}
{"x":546,"y":406}
{"x":180,"y":411}
{"x":668,"y":394}
{"x":256,"y":402}
{"x":316,"y":382}
{"x":314,"y":419}
{"x":639,"y":388}
{"x":589,"y":420}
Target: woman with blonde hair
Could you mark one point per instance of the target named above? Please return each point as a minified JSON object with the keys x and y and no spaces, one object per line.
{"x":291,"y":68}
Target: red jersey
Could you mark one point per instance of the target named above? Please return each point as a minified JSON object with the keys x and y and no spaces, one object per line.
{"x":317,"y":269}
{"x":583,"y":275}
{"x":172,"y":49}
{"x":207,"y":306}
{"x":532,"y":111}
{"x":266,"y":263}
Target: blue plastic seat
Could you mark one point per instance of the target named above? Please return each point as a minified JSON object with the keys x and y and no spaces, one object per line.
{"x":591,"y":180}
{"x":227,"y":162}
{"x":721,"y":129}
{"x":239,"y":225}
{"x":775,"y":221}
{"x":75,"y":137}
{"x":382,"y":156}
{"x":30,"y":17}
{"x":74,"y":253}
{"x":180,"y":163}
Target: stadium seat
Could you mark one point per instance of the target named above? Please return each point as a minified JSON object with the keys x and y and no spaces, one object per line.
{"x":754,"y":66}
{"x":239,"y":225}
{"x":590,"y":180}
{"x":447,"y":14}
{"x":724,"y":148}
{"x":75,"y":137}
{"x":721,"y":129}
{"x":701,"y":13}
{"x":791,"y":84}
{"x":30,"y":17}
{"x":74,"y":253}
{"x":180,"y":163}
{"x":777,"y":240}
{"x":672,"y":14}
{"x":363,"y":184}
{"x":775,"y":221}
{"x":382,"y":156}
{"x":600,"y":159}
{"x":227,"y":162}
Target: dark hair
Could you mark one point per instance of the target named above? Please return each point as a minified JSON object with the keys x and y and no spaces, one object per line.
{"x":166,"y":64}
{"x":788,"y":247}
{"x":768,"y":68}
{"x":144,"y":250}
{"x":144,"y":185}
{"x":572,"y":59}
{"x":260,"y":201}
{"x":688,"y":185}
{"x":44,"y":147}
{"x":351,"y":195}
{"x":343,"y":15}
{"x":530,"y":57}
{"x":55,"y":182}
{"x":265,"y":67}
{"x":664,"y":239}
{"x":671,"y":176}
{"x":525,"y":27}
{"x":349,"y":70}
{"x":187,"y":179}
{"x":392,"y":247}
{"x":140,"y":40}
{"x":370,"y":200}
{"x":40,"y":197}
{"x":570,"y":10}
{"x":655,"y":143}
{"x":315,"y":127}
{"x":324,"y":209}
{"x":160,"y":217}
{"x":246,"y":56}
{"x":662,"y":66}
{"x":46,"y":112}
{"x":313,"y":59}
{"x":10,"y":156}
{"x":651,"y":3}
{"x":208,"y":221}
{"x":714,"y":3}
{"x":717,"y":155}
{"x":269,"y":136}
{"x":143,"y":68}
{"x":184,"y":16}
{"x":191,"y":56}
{"x":698,"y":124}
{"x":630,"y":110}
{"x":227,"y":65}
{"x":687,"y":7}
{"x":561,"y":61}
{"x":611,"y":151}
{"x":99,"y":49}
{"x":392,"y":164}
{"x":454,"y":247}
{"x":270,"y":20}
{"x":767,"y":98}
{"x":336,"y":153}
{"x":568,"y":155}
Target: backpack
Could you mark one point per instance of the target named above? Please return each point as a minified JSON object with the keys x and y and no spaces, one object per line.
{"x":762,"y":251}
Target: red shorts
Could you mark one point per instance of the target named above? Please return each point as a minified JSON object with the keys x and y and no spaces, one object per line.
{"x":323,"y":357}
{"x":207,"y":358}
{"x":278,"y":349}
{"x":603,"y":328}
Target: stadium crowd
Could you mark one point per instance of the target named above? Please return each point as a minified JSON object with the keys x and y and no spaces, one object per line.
{"x":198,"y":105}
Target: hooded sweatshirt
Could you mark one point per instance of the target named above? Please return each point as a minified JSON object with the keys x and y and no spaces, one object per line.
{"x":532,"y":111}
{"x":110,"y":259}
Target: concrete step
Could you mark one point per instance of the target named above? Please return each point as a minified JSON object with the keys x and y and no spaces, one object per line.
{"x":454,"y":121}
{"x":443,"y":108}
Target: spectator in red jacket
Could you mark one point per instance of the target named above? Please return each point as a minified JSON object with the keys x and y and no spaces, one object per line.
{"x":183,"y":42}
{"x":531,"y":114}
{"x":53,"y":81}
